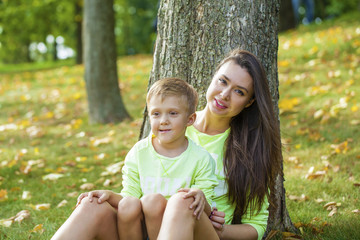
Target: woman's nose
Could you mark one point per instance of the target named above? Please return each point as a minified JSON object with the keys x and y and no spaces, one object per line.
{"x":225,"y":94}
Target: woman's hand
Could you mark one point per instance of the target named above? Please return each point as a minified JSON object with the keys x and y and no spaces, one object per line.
{"x":199,"y":200}
{"x":102,"y":195}
{"x":217,"y":219}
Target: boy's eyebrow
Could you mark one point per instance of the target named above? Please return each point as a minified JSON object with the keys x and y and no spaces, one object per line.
{"x":228,"y":79}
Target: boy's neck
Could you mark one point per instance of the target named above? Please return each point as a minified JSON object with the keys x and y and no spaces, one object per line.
{"x":170,"y":149}
{"x":210,"y":124}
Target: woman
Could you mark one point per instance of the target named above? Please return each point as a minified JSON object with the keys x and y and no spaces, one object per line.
{"x":238,"y":127}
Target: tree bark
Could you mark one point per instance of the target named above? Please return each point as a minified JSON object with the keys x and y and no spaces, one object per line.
{"x":105,"y":102}
{"x":193,"y":37}
{"x":78,"y":32}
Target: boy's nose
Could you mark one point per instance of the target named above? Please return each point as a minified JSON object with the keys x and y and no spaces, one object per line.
{"x":164,"y":120}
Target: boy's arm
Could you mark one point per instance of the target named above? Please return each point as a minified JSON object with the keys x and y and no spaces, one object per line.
{"x":130,"y":175}
{"x":206,"y":180}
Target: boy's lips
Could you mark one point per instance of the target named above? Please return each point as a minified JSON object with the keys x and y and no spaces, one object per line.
{"x":164,"y":130}
{"x":220,"y":104}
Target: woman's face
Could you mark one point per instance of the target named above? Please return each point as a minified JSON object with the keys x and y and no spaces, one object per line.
{"x":230,"y":91}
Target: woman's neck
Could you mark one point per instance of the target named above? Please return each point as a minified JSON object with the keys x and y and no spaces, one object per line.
{"x":211,"y":124}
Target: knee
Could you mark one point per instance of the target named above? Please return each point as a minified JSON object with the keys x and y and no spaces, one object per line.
{"x":178,"y":204}
{"x":102,"y":210}
{"x":129,"y":209}
{"x":153,"y":205}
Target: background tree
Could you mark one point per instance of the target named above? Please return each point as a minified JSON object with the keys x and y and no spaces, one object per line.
{"x":105,"y":102}
{"x":287,"y":18}
{"x":193,"y":36}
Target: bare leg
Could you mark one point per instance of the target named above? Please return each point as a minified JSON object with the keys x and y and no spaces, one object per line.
{"x":179,"y":221}
{"x":88,"y":221}
{"x":130,"y":219}
{"x":153,"y":206}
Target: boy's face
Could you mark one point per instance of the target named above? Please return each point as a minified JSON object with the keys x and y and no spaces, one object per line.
{"x":169,"y":119}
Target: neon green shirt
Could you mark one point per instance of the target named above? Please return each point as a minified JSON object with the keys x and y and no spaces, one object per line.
{"x":214,"y":144}
{"x":145,"y":171}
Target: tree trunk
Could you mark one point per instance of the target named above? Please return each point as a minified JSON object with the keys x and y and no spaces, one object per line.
{"x":105,"y":102}
{"x":78,"y":32}
{"x":193,"y":36}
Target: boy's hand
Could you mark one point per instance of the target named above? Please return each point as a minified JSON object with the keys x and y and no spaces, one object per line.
{"x":199,"y":200}
{"x":217,"y":219}
{"x":102,"y":195}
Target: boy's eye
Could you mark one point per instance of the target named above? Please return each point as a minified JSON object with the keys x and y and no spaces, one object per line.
{"x":238,"y":91}
{"x":222,"y":81}
{"x":173,"y":113}
{"x":155,"y":114}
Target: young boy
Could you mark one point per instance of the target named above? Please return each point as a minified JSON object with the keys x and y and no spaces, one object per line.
{"x":164,"y":162}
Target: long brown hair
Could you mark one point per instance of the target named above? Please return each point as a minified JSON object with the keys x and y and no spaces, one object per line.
{"x":253,"y":147}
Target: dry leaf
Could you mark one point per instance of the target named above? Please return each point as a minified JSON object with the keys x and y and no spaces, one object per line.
{"x":72,"y":194}
{"x":26,"y":195}
{"x":333,"y":212}
{"x":38,"y":229}
{"x":357,"y":211}
{"x":87,"y":186}
{"x":52,"y":176}
{"x":6,"y":222}
{"x":297,"y":198}
{"x":357,"y":184}
{"x":107,"y":183}
{"x":62,"y":203}
{"x":42,"y":206}
{"x":319,"y":200}
{"x":20,"y":216}
{"x":3,"y":195}
{"x":329,"y":204}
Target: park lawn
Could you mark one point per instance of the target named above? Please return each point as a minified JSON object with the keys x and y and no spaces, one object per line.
{"x":49,"y":153}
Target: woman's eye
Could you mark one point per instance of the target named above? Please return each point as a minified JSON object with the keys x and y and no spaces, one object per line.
{"x":238,"y":91}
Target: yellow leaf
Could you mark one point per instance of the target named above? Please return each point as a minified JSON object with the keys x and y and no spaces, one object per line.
{"x":38,"y":229}
{"x":354,"y":108}
{"x":3,"y":195}
{"x":43,"y":206}
{"x":284,"y":63}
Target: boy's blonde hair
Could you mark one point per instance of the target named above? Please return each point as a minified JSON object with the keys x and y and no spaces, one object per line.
{"x":174,"y":87}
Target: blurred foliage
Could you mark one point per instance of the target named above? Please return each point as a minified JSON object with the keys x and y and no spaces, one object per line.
{"x":24,"y":22}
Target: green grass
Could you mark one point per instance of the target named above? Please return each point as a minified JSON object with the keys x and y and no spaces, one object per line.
{"x":44,"y":118}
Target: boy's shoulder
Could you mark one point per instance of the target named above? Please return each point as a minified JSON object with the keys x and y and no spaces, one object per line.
{"x":198,"y":150}
{"x":142,"y":144}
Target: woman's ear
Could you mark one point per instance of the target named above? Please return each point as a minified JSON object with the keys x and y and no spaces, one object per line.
{"x":250,"y":102}
{"x":191,"y":119}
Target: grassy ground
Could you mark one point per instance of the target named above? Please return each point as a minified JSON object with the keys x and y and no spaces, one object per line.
{"x":49,"y":153}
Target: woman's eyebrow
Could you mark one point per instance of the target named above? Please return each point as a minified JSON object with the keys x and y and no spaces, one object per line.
{"x":228,"y":79}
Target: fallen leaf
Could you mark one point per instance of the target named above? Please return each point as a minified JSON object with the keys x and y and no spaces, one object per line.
{"x":72,"y":194}
{"x":3,"y":195}
{"x":357,"y":184}
{"x":329,"y":204}
{"x":26,"y":195}
{"x":62,"y":203}
{"x":39,"y":207}
{"x":6,"y":222}
{"x":52,"y":176}
{"x":20,"y":216}
{"x":357,"y":211}
{"x":332,"y":212}
{"x":38,"y":229}
{"x":297,"y":198}
{"x":319,"y":200}
{"x":87,"y":186}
